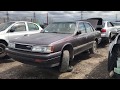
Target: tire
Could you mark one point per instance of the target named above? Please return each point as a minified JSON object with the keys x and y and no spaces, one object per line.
{"x":65,"y":59}
{"x":93,"y":50}
{"x":2,"y":50}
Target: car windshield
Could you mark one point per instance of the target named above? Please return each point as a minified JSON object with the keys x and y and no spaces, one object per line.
{"x":116,"y":24}
{"x":3,"y":26}
{"x":60,"y":27}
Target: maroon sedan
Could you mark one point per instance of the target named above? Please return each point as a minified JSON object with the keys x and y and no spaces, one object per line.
{"x":56,"y":45}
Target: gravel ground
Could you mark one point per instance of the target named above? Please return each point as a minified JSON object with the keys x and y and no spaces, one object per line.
{"x":86,"y":66}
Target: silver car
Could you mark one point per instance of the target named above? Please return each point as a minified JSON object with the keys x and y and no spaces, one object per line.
{"x":107,"y":30}
{"x":105,"y":27}
{"x":117,"y":25}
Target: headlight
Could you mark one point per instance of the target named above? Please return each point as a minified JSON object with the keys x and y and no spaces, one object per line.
{"x":42,"y":49}
{"x":11,"y":45}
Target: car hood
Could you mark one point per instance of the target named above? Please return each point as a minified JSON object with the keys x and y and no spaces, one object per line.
{"x":95,"y":22}
{"x":40,"y":38}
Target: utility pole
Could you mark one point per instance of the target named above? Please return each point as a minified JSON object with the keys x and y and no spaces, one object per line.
{"x":116,"y":17}
{"x":47,"y":18}
{"x":34,"y":15}
{"x":81,"y":15}
{"x":7,"y":14}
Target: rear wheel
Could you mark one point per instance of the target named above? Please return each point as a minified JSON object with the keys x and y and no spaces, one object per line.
{"x":93,"y":50}
{"x":65,"y":62}
{"x":2,"y":50}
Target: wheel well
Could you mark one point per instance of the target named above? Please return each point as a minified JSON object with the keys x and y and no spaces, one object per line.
{"x":70,"y":49}
{"x":96,"y":40}
{"x":4,"y":42}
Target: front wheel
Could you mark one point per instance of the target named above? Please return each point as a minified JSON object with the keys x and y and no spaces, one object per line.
{"x":93,"y":50}
{"x":2,"y":50}
{"x":65,"y":62}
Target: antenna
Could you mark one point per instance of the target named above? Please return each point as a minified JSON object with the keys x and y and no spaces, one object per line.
{"x":116,"y":17}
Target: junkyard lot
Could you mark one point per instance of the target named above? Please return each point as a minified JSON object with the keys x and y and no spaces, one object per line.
{"x":86,"y":66}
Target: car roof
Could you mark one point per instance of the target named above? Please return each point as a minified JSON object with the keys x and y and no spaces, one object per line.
{"x":70,"y":21}
{"x":21,"y":21}
{"x":115,"y":22}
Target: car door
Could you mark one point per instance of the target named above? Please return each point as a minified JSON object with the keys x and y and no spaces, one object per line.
{"x":80,"y":39}
{"x":18,"y":29}
{"x":90,"y":34}
{"x":33,"y":28}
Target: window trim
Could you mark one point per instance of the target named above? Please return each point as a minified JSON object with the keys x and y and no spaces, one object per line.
{"x":90,"y":26}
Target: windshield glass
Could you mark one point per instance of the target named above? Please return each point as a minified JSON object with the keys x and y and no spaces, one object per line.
{"x":61,"y":27}
{"x":3,"y":26}
{"x":116,"y":24}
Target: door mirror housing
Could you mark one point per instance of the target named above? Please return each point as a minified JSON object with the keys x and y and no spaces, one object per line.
{"x":12,"y":29}
{"x":78,"y":32}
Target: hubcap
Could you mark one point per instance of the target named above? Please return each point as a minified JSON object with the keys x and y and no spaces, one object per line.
{"x":2,"y":50}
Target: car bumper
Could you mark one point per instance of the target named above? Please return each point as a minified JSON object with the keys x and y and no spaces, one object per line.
{"x":103,"y":35}
{"x":42,"y":60}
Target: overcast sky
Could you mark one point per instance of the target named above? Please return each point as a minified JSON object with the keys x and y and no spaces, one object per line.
{"x":63,"y":15}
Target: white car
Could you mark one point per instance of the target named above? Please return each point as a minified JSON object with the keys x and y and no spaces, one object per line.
{"x":105,"y":27}
{"x":107,"y":30}
{"x":14,"y":29}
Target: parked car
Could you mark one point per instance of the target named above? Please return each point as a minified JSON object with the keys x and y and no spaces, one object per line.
{"x":114,"y":57}
{"x":106,"y":28}
{"x":14,"y":29}
{"x":56,"y":45}
{"x":117,"y":25}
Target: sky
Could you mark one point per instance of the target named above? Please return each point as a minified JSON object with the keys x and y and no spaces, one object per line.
{"x":62,"y":15}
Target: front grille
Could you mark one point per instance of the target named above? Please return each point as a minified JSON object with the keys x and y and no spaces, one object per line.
{"x":23,"y":47}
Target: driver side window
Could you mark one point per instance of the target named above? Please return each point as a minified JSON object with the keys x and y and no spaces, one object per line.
{"x":81,"y":27}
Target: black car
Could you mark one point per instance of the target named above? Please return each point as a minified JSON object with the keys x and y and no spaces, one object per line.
{"x":56,"y":45}
{"x":114,"y":56}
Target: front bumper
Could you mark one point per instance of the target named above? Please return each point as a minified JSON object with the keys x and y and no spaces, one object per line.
{"x":42,"y":60}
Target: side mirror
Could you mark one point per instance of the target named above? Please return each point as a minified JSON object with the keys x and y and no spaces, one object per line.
{"x":12,"y":29}
{"x":78,"y":32}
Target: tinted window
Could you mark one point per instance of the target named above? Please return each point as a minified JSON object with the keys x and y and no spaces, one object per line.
{"x":88,"y":28}
{"x":32,"y":27}
{"x":81,"y":27}
{"x":18,"y":27}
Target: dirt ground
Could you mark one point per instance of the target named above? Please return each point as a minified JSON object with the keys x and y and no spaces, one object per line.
{"x":86,"y":66}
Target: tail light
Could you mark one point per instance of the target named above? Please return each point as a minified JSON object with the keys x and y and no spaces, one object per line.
{"x":103,"y":30}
